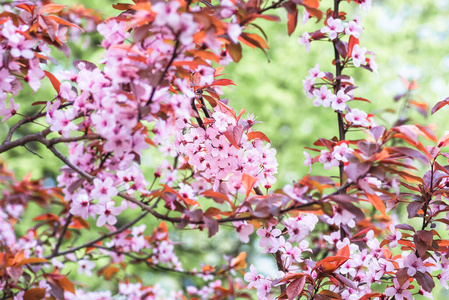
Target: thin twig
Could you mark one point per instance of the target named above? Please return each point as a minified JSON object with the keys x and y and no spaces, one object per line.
{"x":93,"y":242}
{"x":61,"y":237}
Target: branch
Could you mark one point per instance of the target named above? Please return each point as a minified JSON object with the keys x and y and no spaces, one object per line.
{"x":338,"y":67}
{"x":70,"y":164}
{"x":163,"y":73}
{"x":61,"y":237}
{"x":26,"y":139}
{"x":93,"y":242}
{"x":28,"y":120}
{"x":274,"y":5}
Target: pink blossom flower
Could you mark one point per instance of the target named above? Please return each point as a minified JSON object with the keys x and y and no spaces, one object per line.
{"x":62,"y":122}
{"x":322,"y":96}
{"x":234,"y":31}
{"x":7,"y":113}
{"x":305,"y":40}
{"x":328,"y":160}
{"x":85,"y":266}
{"x":22,"y":47}
{"x":308,"y":161}
{"x":244,"y":230}
{"x":6,"y":80}
{"x":394,"y":237}
{"x":107,"y":213}
{"x":358,"y":55}
{"x":81,"y":204}
{"x":340,"y":151}
{"x":104,"y":190}
{"x":333,"y":28}
{"x":414,"y":264}
{"x":269,"y":238}
{"x":252,"y":277}
{"x":339,"y":101}
{"x":357,"y":117}
{"x":353,"y":28}
{"x":366,"y":5}
{"x":263,"y":288}
{"x":399,"y":292}
{"x":315,"y":72}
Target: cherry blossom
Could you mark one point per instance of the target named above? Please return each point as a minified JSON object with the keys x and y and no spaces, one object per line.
{"x":358,"y":55}
{"x":7,"y":113}
{"x":339,"y":101}
{"x":400,"y":292}
{"x":305,"y":40}
{"x":322,"y":97}
{"x":328,"y":159}
{"x":333,"y":28}
{"x":85,"y":266}
{"x":357,"y":117}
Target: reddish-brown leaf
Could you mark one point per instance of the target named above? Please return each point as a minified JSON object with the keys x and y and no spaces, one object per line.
{"x":248,"y":182}
{"x":352,"y":42}
{"x":52,"y":8}
{"x":425,"y":281}
{"x":34,"y":294}
{"x":295,"y":288}
{"x":370,"y":295}
{"x":54,"y":81}
{"x":65,"y":284}
{"x":258,"y":135}
{"x":223,"y":82}
{"x":234,"y":135}
{"x":61,"y":21}
{"x":377,"y":203}
{"x":235,"y":51}
{"x":440,"y":105}
{"x":32,"y":260}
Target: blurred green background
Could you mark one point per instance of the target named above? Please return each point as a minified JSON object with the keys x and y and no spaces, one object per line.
{"x":410,"y":39}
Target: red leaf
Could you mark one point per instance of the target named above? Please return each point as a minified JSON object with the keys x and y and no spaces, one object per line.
{"x":34,"y":294}
{"x":258,"y":135}
{"x":344,"y":252}
{"x":29,"y":8}
{"x":253,"y":40}
{"x":218,"y":197}
{"x":377,"y":203}
{"x":425,"y":281}
{"x":292,"y":11}
{"x":52,"y":8}
{"x":269,"y":17}
{"x":295,"y":288}
{"x":248,"y":182}
{"x":410,"y":84}
{"x":370,"y":295}
{"x":211,"y":224}
{"x":352,"y":42}
{"x":122,"y":6}
{"x":443,"y":141}
{"x":342,"y":48}
{"x":235,"y":51}
{"x":54,"y":81}
{"x":439,"y":105}
{"x":223,"y":82}
{"x":360,"y":98}
{"x":234,"y":135}
{"x":61,"y":21}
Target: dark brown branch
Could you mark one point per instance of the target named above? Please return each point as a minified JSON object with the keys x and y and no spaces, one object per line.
{"x":61,"y":237}
{"x":338,"y":70}
{"x":276,"y":4}
{"x":164,"y":73}
{"x":93,"y":242}
{"x":26,"y":120}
